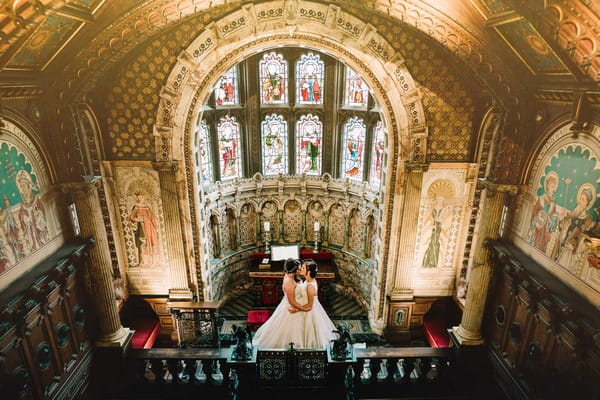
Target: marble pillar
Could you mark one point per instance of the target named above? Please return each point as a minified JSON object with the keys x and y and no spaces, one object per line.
{"x":99,"y":266}
{"x":468,"y":333}
{"x":174,"y":230}
{"x":402,"y":282}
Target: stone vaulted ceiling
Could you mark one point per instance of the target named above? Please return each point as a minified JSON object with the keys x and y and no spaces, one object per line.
{"x":44,"y":41}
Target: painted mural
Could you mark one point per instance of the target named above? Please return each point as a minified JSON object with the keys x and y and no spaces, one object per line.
{"x":28,"y":221}
{"x":142,"y":229}
{"x":440,"y":229}
{"x":565,"y":207}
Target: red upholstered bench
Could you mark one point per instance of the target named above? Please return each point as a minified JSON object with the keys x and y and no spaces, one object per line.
{"x":258,"y":317}
{"x":435,"y":331}
{"x":146,"y":332}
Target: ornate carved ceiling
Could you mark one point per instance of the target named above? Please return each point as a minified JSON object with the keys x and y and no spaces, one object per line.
{"x":65,"y":42}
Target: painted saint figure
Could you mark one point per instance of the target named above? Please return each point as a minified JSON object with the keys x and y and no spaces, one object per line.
{"x":310,"y":143}
{"x":228,"y":144}
{"x":273,"y":85}
{"x":576,"y":222}
{"x":31,"y":214}
{"x":146,"y":230}
{"x":310,"y":90}
{"x":432,"y":254}
{"x":545,"y":215}
{"x":354,"y":146}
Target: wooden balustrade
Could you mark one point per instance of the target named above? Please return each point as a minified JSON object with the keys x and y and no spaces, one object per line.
{"x":377,"y":371}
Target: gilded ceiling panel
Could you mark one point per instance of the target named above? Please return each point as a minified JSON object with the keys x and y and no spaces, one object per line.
{"x":531,"y":48}
{"x":41,"y":46}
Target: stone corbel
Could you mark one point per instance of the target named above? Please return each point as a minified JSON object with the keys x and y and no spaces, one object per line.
{"x":332,"y":13}
{"x":367,"y":34}
{"x":291,"y":12}
{"x":492,"y":188}
{"x":250,"y":15}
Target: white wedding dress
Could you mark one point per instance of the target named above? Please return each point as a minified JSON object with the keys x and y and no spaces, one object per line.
{"x":318,"y":327}
{"x":284,"y":327}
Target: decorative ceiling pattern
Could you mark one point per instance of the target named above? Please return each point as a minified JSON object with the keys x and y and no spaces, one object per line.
{"x":43,"y":44}
{"x":553,"y":37}
{"x":32,"y":33}
{"x":531,"y":48}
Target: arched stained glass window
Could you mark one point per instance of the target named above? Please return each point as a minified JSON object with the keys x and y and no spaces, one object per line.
{"x":226,"y":92}
{"x":377,"y":155}
{"x":273,"y":79}
{"x":357,"y":91}
{"x":352,"y":150}
{"x":309,"y":79}
{"x":228,"y":131}
{"x":309,"y":133}
{"x":274,"y":145}
{"x":203,"y":152}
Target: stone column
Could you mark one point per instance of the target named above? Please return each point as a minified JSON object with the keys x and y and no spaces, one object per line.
{"x":238,"y":233}
{"x":402,"y":286}
{"x":468,"y":333}
{"x":174,"y":230}
{"x":326,"y":229}
{"x":304,"y":231}
{"x":99,"y":267}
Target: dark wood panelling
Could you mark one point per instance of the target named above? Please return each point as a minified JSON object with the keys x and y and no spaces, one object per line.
{"x":543,"y":336}
{"x":42,"y":341}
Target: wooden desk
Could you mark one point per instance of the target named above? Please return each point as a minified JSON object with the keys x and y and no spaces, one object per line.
{"x":196,"y":322}
{"x":267,"y":282}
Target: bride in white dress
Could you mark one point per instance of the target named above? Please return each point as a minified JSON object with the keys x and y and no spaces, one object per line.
{"x":318,"y":327}
{"x":285,"y":326}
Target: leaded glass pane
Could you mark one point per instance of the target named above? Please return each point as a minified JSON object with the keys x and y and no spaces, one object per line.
{"x":274,"y":145}
{"x":377,"y":156}
{"x":228,"y":130}
{"x":204,"y":159}
{"x":352,"y":153}
{"x":357,"y":91}
{"x":309,"y":133}
{"x":226,"y":92}
{"x":309,"y":79}
{"x":273,"y":77}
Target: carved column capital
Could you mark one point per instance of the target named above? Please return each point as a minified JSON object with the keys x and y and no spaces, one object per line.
{"x":416,"y":167}
{"x":81,"y":188}
{"x":165,"y":166}
{"x":494,"y":188}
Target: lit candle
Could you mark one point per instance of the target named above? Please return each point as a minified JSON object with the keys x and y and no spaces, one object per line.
{"x":317,"y":226}
{"x":267,"y":226}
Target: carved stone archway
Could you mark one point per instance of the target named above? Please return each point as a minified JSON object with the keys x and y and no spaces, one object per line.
{"x":330,"y":29}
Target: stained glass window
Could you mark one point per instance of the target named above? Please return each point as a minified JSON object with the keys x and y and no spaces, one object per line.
{"x":226,"y":92}
{"x":274,"y":145}
{"x":228,"y":131}
{"x":352,"y":150}
{"x":273,"y":78}
{"x":309,"y":133}
{"x":357,"y":91}
{"x":309,"y":79}
{"x":377,"y":156}
{"x":203,"y":152}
